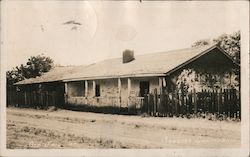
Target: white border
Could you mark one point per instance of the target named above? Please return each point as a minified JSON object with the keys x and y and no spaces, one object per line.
{"x":243,"y":151}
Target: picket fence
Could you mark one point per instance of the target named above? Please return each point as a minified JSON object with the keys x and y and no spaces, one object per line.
{"x":221,"y":102}
{"x":34,"y":99}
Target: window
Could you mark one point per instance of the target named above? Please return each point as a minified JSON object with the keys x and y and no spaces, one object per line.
{"x":144,"y":88}
{"x":76,"y":89}
{"x":97,"y":90}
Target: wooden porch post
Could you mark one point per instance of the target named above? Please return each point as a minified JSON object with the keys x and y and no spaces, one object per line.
{"x":129,"y":89}
{"x":164,"y":82}
{"x":66,"y":88}
{"x":86,"y":89}
{"x":160,"y":85}
{"x":94,"y":88}
{"x":119,"y":91}
{"x":65,"y":93}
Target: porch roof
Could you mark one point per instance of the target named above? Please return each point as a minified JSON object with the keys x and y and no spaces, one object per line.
{"x":154,"y":64}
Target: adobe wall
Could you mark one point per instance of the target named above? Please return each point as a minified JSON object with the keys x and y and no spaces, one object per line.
{"x":109,"y":94}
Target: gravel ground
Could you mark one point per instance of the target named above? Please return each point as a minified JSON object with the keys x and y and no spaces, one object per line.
{"x":28,"y":128}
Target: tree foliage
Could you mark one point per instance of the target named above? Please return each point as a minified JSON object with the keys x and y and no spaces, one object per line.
{"x":199,"y":43}
{"x":35,"y":66}
{"x":228,"y":42}
{"x":231,"y":44}
{"x":198,"y":79}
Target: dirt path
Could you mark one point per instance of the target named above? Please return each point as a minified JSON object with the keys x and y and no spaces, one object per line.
{"x":28,"y":128}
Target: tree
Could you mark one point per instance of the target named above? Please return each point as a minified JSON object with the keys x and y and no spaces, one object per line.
{"x":230,"y":43}
{"x":35,"y":66}
{"x":202,"y":42}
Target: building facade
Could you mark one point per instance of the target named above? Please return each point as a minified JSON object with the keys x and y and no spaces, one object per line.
{"x":123,"y":82}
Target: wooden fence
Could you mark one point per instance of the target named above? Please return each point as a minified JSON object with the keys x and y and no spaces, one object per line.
{"x":40,"y":99}
{"x":226,"y":102}
{"x":221,"y":102}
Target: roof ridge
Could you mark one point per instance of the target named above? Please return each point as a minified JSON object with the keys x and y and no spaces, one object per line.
{"x":154,"y":53}
{"x":182,"y":49}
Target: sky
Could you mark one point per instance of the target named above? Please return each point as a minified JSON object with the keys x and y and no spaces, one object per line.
{"x":84,"y":32}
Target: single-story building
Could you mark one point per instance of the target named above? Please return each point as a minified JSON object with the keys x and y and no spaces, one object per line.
{"x":123,"y":82}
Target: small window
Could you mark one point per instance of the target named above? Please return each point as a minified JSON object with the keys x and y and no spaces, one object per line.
{"x":97,"y":90}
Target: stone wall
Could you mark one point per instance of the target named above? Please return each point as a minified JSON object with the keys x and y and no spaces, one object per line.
{"x":109,"y":93}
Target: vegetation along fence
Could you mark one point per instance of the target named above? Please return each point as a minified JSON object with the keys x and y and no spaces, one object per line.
{"x":220,"y":102}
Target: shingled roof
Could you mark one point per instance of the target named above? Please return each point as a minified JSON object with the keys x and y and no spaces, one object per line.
{"x":155,"y":64}
{"x":55,"y":74}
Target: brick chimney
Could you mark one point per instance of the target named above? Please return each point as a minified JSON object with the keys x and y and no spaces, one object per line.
{"x":128,"y":56}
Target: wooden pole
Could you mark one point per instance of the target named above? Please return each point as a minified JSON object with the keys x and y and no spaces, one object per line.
{"x":65,"y":93}
{"x":160,"y":85}
{"x":66,"y":88}
{"x":164,"y":82}
{"x":129,"y":90}
{"x":119,"y":91}
{"x":25,"y":101}
{"x":94,"y":88}
{"x":195,"y":102}
{"x":86,"y":89}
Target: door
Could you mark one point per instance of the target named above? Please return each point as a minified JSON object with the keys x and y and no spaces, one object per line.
{"x":144,"y":88}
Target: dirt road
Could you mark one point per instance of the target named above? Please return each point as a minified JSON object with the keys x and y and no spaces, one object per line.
{"x":27,"y":128}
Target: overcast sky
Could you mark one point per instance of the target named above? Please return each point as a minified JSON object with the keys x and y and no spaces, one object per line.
{"x":99,"y":30}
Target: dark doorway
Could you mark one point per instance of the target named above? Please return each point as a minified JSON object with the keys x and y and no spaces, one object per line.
{"x":97,"y":90}
{"x":144,"y":88}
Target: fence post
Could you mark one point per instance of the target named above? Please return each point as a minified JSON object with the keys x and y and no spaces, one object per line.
{"x":177,"y":103}
{"x":155,"y":110}
{"x":235,"y":102}
{"x":224,"y":102}
{"x":195,"y":102}
{"x":181,"y":100}
{"x":171,"y":103}
{"x":166,"y":103}
{"x":18,"y":99}
{"x":220,"y":101}
{"x":151,"y":104}
{"x":239,"y":105}
{"x":16,"y":102}
{"x":41,"y":99}
{"x":161,"y":104}
{"x":212,"y":101}
{"x":45,"y":101}
{"x":25,"y":99}
{"x":145,"y":103}
{"x":30,"y":97}
{"x":146,"y":100}
{"x":229,"y":103}
{"x":184,"y":104}
{"x":190,"y":101}
{"x":148,"y":104}
{"x":216,"y":101}
{"x":205,"y":103}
